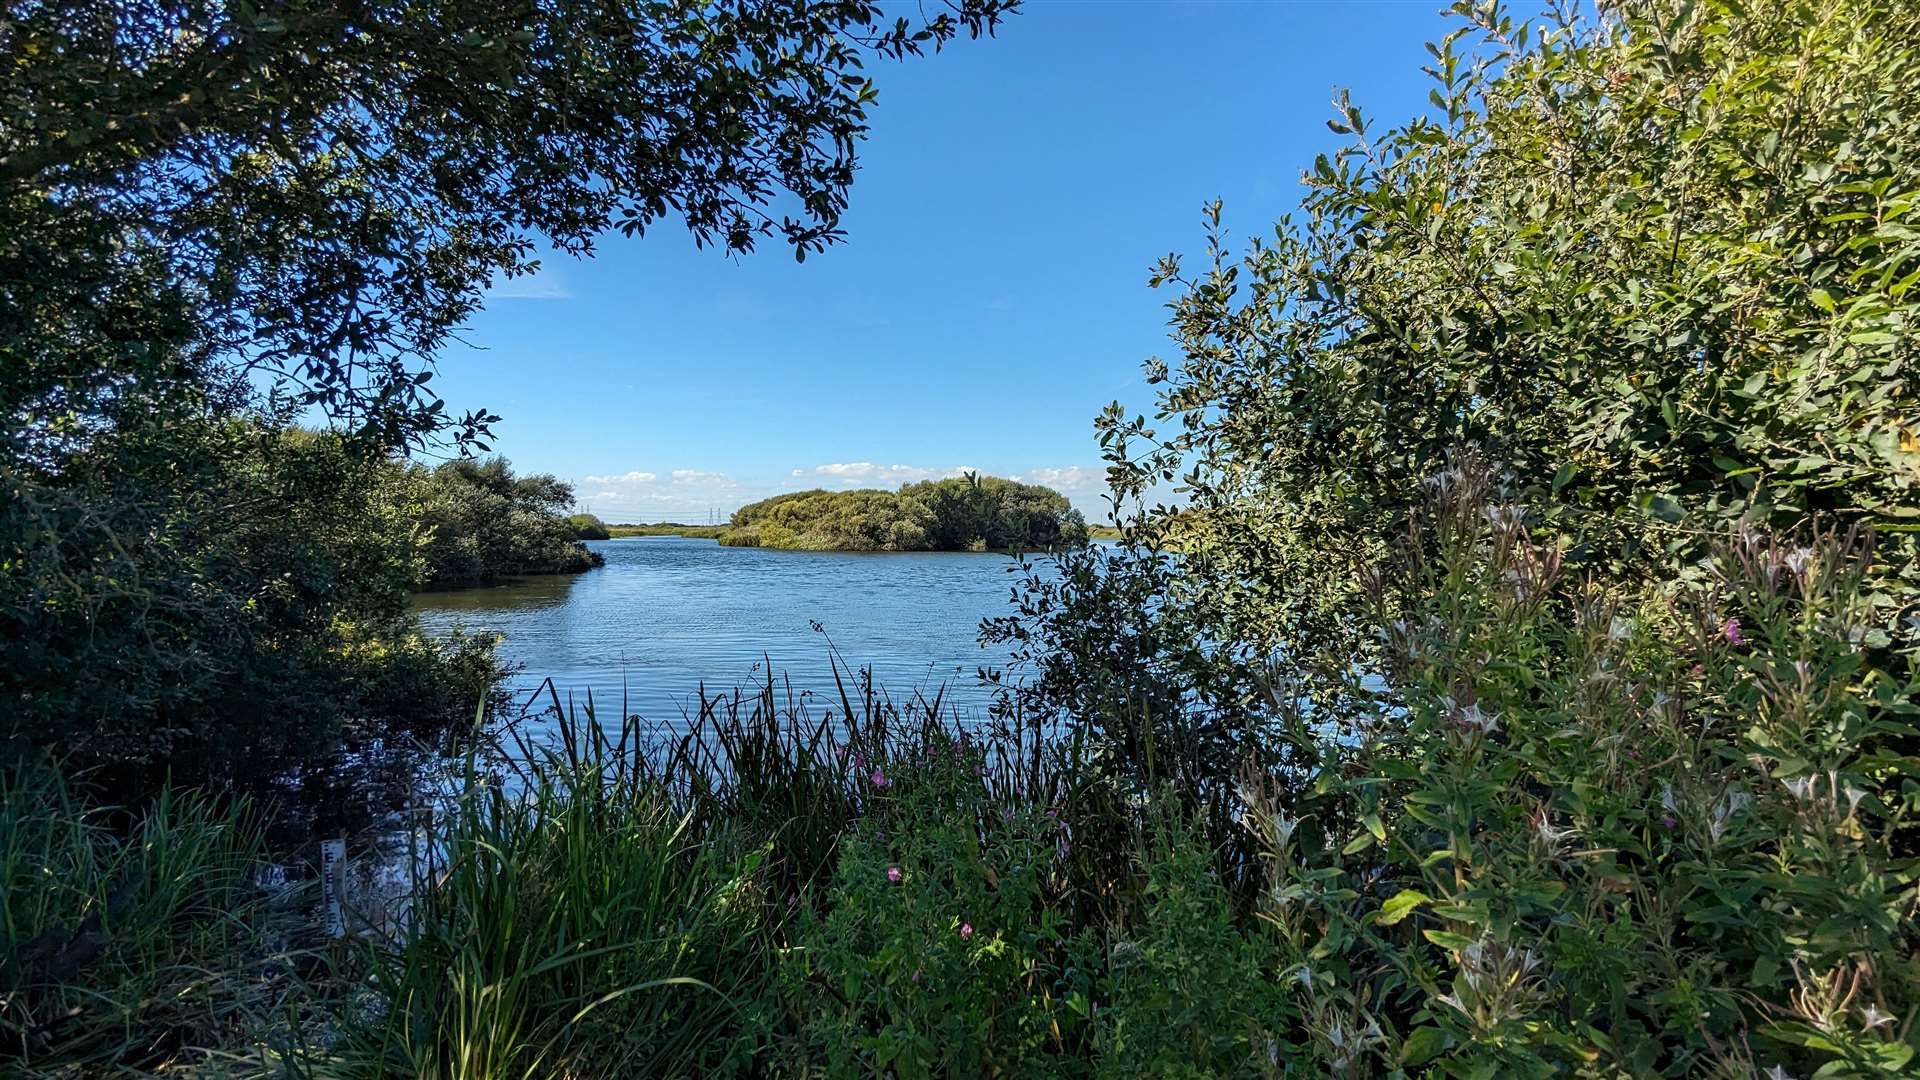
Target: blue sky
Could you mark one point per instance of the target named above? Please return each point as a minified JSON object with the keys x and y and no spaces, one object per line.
{"x":991,"y":297}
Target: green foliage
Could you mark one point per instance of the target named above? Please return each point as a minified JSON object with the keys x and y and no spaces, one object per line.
{"x":1664,"y":838}
{"x":966,"y":513}
{"x":215,"y":599}
{"x":481,"y":523}
{"x":125,"y":944}
{"x":1658,"y":264}
{"x":940,"y":952}
{"x":1166,"y":1013}
{"x":588,"y":527}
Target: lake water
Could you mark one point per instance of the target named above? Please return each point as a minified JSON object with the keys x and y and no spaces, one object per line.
{"x":666,"y":614}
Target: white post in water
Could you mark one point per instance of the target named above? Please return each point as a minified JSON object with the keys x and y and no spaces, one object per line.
{"x":333,"y":867}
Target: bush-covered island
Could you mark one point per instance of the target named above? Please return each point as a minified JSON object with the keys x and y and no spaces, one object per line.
{"x":962,"y":513}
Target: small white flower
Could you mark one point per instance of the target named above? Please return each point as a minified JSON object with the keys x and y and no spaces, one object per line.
{"x":1283,"y":826}
{"x":1872,"y":1017}
{"x":1619,"y":629}
{"x":1854,"y":795}
{"x":1474,"y":717}
{"x":1801,"y":787}
{"x":1799,"y":559}
{"x":1778,"y":1073}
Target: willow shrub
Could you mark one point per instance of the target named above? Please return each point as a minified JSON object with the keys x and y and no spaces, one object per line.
{"x":1657,"y":257}
{"x":1670,"y":834}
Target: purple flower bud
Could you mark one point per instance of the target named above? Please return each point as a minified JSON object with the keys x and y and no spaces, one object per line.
{"x":1732,"y":631}
{"x":893,"y":874}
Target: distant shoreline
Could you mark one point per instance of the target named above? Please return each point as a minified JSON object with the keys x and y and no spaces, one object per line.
{"x":715,"y":532}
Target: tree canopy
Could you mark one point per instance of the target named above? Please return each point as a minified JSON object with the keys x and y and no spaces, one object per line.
{"x":324,"y":192}
{"x":479,"y":523}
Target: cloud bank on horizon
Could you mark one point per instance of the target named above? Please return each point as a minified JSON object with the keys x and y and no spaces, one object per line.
{"x":695,"y":495}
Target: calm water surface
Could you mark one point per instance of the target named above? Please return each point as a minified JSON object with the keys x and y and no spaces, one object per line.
{"x":666,"y":614}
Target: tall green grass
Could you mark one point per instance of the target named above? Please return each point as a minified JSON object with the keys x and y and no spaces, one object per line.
{"x":129,"y":942}
{"x":614,"y":899}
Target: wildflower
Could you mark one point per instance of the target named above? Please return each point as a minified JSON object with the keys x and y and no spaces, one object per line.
{"x":1283,"y":826}
{"x":1872,"y":1017}
{"x":966,"y":930}
{"x":880,"y":780}
{"x":893,"y":874}
{"x":1854,"y":795}
{"x":1667,"y":821}
{"x":1474,"y":717}
{"x":1732,"y":632}
{"x":1619,"y":629}
{"x":1800,"y":787}
{"x":1799,"y":559}
{"x":1543,"y":829}
{"x":1777,"y":1073}
{"x":1734,"y":802}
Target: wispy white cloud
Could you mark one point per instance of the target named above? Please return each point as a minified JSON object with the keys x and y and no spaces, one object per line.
{"x":866,"y":472}
{"x":700,"y":478}
{"x":680,"y":495}
{"x":1068,"y":480}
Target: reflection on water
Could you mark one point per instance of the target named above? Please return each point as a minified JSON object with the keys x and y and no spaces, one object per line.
{"x":666,"y":614}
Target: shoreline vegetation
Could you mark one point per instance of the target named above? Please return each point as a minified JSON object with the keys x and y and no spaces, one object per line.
{"x":1525,"y":687}
{"x":963,"y":513}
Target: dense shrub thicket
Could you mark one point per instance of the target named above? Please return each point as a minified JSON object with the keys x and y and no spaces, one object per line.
{"x":964,"y":513}
{"x":480,"y":523}
{"x":588,"y":527}
{"x":216,"y":598}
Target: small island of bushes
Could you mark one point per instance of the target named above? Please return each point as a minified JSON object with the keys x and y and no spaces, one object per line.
{"x":963,"y":513}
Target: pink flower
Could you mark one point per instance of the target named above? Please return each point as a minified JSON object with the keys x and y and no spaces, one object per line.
{"x":880,"y":779}
{"x":966,"y":930}
{"x":893,"y":874}
{"x":1732,"y":631}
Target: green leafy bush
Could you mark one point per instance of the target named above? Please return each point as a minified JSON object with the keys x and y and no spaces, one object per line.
{"x":1656,"y":259}
{"x":942,"y":950}
{"x":479,"y":523}
{"x":1667,"y":834}
{"x":587,"y":527}
{"x":210,"y":598}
